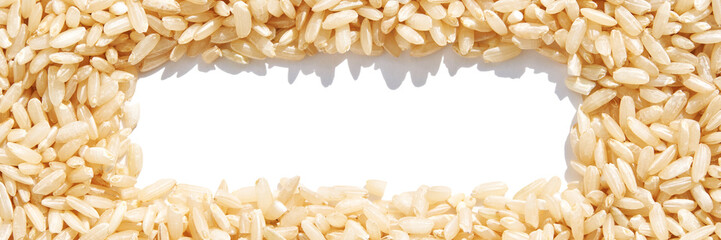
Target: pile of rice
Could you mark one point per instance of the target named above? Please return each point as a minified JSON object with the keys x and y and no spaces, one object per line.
{"x":645,"y":138}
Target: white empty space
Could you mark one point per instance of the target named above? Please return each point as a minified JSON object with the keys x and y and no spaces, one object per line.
{"x":340,"y":120}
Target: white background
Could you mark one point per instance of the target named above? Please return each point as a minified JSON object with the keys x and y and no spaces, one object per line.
{"x":343,"y":119}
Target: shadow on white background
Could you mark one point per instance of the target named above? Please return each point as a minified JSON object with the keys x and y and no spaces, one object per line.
{"x":343,"y":119}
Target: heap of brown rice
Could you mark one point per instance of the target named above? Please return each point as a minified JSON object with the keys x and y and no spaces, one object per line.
{"x":645,"y":138}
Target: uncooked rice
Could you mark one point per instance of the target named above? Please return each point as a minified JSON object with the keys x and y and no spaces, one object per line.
{"x":646,"y":139}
